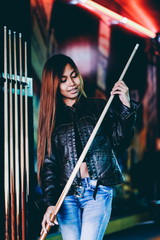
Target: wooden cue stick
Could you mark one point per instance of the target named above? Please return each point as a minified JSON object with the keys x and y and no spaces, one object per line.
{"x":85,"y":150}
{"x":21,"y":140}
{"x":26,"y":135}
{"x":6,"y":143}
{"x":16,"y":139}
{"x":26,"y":125}
{"x":12,"y":182}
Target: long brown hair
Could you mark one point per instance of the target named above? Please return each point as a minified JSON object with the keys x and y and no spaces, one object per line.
{"x":52,"y":71}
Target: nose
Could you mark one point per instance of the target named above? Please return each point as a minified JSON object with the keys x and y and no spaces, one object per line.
{"x":71,"y":81}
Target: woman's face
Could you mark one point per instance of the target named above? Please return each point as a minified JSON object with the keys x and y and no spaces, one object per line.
{"x":69,"y":85}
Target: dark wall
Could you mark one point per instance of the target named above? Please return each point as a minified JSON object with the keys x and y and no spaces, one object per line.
{"x":122,"y":45}
{"x":15,"y":15}
{"x":76,"y":28}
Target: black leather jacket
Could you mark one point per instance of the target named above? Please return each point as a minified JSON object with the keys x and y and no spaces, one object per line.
{"x":114,"y":134}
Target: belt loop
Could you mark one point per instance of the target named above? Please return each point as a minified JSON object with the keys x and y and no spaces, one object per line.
{"x":88,"y":181}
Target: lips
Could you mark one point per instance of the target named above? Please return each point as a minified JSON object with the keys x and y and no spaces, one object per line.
{"x":73,"y":90}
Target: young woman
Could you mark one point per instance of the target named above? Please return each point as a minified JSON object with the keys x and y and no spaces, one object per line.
{"x":66,"y":120}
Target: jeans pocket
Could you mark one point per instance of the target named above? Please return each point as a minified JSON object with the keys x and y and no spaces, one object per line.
{"x":92,"y":188}
{"x":105,"y":189}
{"x":92,"y":185}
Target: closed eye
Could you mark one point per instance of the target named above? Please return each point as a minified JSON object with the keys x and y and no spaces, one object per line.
{"x":74,"y":74}
{"x":63,"y":79}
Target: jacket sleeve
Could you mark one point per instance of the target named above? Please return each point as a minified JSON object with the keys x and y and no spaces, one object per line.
{"x":121,"y":124}
{"x":49,"y":182}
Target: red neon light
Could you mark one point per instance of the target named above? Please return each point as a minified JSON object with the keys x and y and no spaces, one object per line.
{"x":103,"y":10}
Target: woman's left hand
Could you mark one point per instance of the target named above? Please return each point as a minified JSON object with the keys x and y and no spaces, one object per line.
{"x":122,"y":90}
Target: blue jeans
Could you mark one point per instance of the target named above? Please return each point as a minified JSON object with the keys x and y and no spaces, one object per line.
{"x":84,"y":218}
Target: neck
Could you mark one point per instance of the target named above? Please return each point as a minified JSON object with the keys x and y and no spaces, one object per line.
{"x":69,"y":102}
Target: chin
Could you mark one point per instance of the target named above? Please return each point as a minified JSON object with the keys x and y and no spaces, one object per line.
{"x":74,"y":95}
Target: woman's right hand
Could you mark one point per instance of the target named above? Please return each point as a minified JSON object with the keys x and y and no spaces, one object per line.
{"x":47,"y":219}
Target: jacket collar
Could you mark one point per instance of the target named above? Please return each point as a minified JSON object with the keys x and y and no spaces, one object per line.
{"x":76,"y":105}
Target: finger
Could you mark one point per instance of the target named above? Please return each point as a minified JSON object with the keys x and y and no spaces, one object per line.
{"x":116,"y":92}
{"x":43,"y":230}
{"x":44,"y":225}
{"x":121,"y":82}
{"x":49,"y":222}
{"x":121,"y":86}
{"x":121,"y":91}
{"x":56,"y":222}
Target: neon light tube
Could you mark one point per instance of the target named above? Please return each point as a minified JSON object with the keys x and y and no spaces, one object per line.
{"x":118,"y":17}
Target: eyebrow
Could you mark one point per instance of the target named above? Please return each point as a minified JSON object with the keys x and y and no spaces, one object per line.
{"x":74,"y":71}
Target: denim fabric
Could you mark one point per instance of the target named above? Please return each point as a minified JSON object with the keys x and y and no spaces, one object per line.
{"x":83,"y":218}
